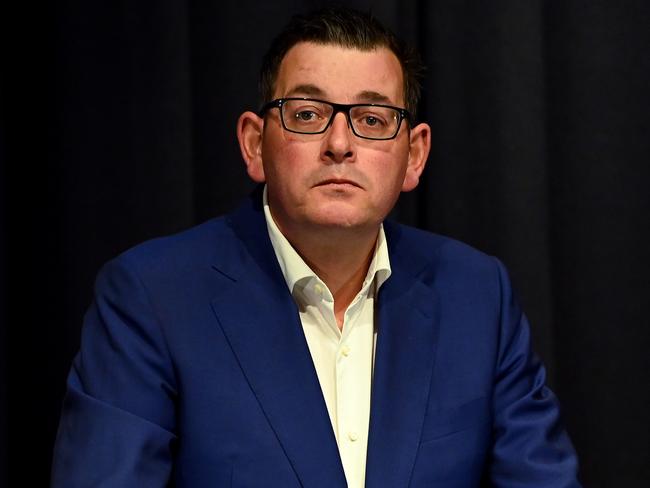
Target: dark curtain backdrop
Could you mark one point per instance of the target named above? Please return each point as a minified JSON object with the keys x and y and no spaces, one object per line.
{"x":117,"y":125}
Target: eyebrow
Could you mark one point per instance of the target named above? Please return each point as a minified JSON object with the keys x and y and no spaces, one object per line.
{"x":309,"y":90}
{"x":372,"y":97}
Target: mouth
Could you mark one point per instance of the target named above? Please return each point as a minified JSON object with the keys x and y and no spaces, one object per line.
{"x":338,"y":182}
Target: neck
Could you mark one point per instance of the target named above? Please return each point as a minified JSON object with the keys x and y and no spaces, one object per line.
{"x":338,"y":257}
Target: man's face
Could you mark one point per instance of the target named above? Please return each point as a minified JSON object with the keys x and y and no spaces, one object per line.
{"x":335,"y":180}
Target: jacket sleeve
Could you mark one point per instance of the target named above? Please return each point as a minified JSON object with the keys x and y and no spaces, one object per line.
{"x":531,"y":447}
{"x":118,"y":422}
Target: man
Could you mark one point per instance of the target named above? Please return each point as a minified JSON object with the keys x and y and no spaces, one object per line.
{"x":302,"y":341}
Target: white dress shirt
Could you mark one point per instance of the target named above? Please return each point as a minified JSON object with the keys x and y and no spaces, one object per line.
{"x":343,"y":358}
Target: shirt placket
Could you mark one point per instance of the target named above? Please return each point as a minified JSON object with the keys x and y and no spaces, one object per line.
{"x":353,"y":395}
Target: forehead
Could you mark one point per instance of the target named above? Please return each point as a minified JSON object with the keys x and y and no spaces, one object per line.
{"x":340,"y":74}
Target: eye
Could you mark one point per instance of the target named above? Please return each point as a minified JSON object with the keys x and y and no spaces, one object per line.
{"x":306,"y":115}
{"x":372,"y":121}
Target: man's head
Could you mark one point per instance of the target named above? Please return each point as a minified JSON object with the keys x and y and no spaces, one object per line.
{"x":346,"y":28}
{"x":334,"y":178}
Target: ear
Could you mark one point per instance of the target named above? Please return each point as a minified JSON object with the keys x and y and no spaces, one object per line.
{"x":249,"y":133}
{"x":419,"y":146}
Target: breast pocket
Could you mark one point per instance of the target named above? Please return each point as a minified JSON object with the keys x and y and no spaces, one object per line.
{"x":446,"y":421}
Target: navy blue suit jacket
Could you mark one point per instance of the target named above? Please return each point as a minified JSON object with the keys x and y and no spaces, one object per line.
{"x":194,"y":372}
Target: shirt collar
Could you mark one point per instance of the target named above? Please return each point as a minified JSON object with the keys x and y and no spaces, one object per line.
{"x":296,"y":271}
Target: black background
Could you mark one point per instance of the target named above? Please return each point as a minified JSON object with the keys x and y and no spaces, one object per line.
{"x":117,"y":125}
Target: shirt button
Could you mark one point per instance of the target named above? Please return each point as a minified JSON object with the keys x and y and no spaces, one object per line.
{"x":318,"y":289}
{"x":352,"y":436}
{"x":345,"y":350}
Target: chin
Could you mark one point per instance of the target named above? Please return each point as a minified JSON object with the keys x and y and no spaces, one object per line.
{"x":338,"y":214}
{"x":341,"y":218}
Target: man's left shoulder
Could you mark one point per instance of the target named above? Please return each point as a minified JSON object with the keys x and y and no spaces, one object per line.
{"x":444,"y":254}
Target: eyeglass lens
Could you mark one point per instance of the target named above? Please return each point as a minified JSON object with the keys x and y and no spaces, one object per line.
{"x":309,"y":117}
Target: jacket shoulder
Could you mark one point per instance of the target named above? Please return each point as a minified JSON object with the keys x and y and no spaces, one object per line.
{"x":439,"y":252}
{"x":183,"y":250}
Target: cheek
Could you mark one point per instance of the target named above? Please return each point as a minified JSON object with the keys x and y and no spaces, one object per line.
{"x":287,"y":160}
{"x":387,"y":168}
{"x":286,"y":166}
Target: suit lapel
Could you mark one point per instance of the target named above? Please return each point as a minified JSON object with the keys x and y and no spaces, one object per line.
{"x":260,"y":320}
{"x":403,"y":367}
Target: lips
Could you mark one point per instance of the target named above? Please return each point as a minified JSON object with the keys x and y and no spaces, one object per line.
{"x":338,"y":181}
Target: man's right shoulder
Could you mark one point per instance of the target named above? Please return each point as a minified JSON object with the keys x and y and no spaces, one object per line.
{"x":188,"y":250}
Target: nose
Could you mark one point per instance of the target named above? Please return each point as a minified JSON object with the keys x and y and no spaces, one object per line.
{"x":338,"y":144}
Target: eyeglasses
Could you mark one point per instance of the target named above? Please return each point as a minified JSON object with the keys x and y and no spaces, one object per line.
{"x":311,"y":116}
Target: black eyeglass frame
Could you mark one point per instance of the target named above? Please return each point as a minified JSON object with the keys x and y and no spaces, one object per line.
{"x":338,"y":107}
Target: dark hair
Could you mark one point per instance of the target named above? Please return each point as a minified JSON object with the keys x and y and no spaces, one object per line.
{"x":347,"y":28}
